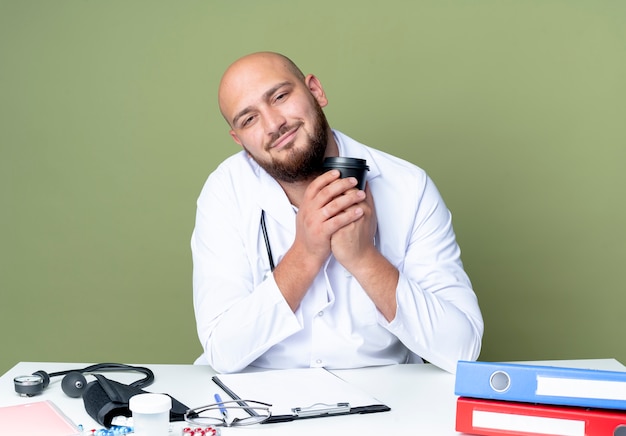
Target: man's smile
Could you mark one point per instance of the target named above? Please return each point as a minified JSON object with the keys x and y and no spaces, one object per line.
{"x":285,"y":138}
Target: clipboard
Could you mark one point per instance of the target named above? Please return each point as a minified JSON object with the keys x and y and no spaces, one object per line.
{"x":35,"y":418}
{"x":299,"y":393}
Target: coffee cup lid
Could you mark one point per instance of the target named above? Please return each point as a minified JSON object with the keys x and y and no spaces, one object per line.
{"x":342,"y":161}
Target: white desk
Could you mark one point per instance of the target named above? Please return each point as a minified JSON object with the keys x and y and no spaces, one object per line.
{"x":421,"y":397}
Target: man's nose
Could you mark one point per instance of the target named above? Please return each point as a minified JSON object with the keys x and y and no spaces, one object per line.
{"x":274,"y":120}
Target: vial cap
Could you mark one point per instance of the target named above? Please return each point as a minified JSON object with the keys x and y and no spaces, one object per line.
{"x":150,"y":403}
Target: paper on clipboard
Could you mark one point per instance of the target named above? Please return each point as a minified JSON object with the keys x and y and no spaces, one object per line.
{"x":299,"y":392}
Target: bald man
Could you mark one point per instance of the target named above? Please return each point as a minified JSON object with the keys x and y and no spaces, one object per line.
{"x":361,"y":278}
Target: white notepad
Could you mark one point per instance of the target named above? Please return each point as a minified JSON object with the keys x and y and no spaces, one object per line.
{"x":299,"y":393}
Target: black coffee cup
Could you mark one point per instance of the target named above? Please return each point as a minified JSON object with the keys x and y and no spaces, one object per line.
{"x":348,"y":167}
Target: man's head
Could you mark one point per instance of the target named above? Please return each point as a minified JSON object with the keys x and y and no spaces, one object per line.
{"x":275,"y":113}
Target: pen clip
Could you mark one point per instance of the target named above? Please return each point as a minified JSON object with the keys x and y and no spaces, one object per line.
{"x":321,"y":409}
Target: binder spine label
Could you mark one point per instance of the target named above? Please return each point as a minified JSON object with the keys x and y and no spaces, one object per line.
{"x":581,"y":388}
{"x":527,"y":424}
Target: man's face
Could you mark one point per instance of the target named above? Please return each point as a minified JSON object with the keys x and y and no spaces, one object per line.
{"x":277,"y":118}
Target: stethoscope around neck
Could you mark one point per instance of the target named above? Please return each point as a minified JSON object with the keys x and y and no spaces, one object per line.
{"x":267,"y":241}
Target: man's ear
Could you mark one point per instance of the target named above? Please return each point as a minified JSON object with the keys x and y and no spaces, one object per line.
{"x":235,"y":137}
{"x":316,"y":89}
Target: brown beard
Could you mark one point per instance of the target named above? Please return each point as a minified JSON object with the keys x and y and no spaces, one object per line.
{"x":304,"y":164}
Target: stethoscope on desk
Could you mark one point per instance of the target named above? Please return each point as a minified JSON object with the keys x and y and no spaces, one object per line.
{"x":267,"y":241}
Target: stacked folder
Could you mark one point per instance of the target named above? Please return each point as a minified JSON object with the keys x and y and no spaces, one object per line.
{"x":519,"y":399}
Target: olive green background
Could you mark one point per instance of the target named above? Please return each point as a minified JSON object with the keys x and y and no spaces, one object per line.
{"x":109,"y":127}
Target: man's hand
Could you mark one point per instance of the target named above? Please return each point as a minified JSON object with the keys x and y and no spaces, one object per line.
{"x":329,"y":204}
{"x":352,"y":241}
{"x":353,"y":246}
